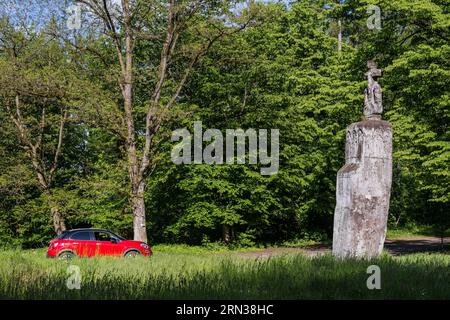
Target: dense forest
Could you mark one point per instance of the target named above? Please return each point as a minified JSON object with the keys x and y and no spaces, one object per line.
{"x":86,"y":114}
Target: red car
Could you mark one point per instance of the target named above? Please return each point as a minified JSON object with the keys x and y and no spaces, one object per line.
{"x":95,"y":242}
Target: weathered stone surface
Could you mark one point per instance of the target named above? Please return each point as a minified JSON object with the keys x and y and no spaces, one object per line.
{"x":373,"y":99}
{"x":363,"y":190}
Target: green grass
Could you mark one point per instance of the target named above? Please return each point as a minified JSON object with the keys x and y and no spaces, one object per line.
{"x":29,"y":275}
{"x":205,"y":249}
{"x":413,"y":230}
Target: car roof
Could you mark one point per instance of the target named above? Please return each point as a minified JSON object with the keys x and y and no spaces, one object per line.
{"x":86,"y":229}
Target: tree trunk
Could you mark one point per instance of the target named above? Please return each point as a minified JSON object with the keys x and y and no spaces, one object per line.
{"x":58,"y":221}
{"x":137,"y":193}
{"x":138,"y":203}
{"x":136,"y":176}
{"x":339,"y":36}
{"x":397,"y":222}
{"x":226,"y":235}
{"x":137,"y":196}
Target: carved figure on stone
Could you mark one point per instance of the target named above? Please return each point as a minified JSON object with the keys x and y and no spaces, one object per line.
{"x":373,"y":105}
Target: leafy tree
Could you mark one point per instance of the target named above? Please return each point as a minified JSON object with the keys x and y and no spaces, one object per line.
{"x":98,"y":106}
{"x":283,"y":73}
{"x":175,"y":35}
{"x":34,"y":94}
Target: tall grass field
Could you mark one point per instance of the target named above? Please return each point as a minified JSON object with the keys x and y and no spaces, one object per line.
{"x":28,"y":274}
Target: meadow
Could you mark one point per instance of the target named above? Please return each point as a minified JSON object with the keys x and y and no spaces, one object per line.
{"x":184,"y":273}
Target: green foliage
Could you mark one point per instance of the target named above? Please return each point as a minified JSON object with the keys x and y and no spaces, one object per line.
{"x":283,"y":71}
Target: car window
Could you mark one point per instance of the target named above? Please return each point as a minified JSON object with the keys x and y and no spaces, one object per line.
{"x":63,"y":235}
{"x":117,"y":236}
{"x":102,"y":236}
{"x":81,"y":235}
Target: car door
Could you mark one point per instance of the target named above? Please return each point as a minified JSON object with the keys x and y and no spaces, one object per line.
{"x":106,"y":244}
{"x":82,"y":243}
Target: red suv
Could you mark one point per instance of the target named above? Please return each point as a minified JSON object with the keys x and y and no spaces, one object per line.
{"x":95,"y":242}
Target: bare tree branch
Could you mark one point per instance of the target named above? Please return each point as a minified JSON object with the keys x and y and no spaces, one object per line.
{"x":155,"y":118}
{"x":59,"y":146}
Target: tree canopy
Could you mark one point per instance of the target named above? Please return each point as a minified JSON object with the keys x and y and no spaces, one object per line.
{"x":86,"y":115}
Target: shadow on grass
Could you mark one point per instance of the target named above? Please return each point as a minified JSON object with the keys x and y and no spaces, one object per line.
{"x":409,"y":246}
{"x":397,"y":247}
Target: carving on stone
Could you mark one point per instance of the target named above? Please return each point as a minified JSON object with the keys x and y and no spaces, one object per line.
{"x":373,"y":104}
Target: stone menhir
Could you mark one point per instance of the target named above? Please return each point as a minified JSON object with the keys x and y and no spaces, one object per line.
{"x":364,"y":183}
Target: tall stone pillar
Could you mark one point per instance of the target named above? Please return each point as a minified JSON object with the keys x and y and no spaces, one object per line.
{"x":364,"y":183}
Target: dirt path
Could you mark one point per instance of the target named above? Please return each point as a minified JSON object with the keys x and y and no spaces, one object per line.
{"x":398,"y":246}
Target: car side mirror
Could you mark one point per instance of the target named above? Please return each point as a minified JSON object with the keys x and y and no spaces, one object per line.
{"x":113,"y":240}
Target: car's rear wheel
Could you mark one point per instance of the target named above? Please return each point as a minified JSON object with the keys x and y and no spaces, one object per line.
{"x":66,"y":255}
{"x":132,"y":254}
